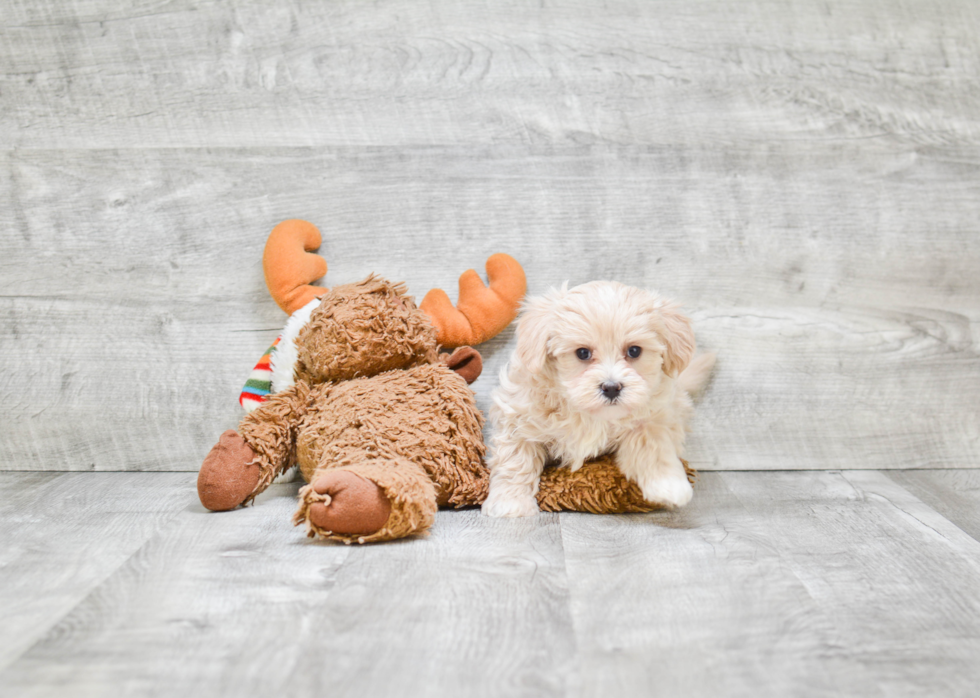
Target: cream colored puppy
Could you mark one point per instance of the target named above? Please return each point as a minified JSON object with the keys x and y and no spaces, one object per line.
{"x":598,"y":368}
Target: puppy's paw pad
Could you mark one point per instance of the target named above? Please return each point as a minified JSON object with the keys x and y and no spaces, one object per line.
{"x":672,"y":491}
{"x":509,"y":507}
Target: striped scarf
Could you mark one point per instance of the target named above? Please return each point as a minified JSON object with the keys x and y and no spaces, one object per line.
{"x":259,"y":383}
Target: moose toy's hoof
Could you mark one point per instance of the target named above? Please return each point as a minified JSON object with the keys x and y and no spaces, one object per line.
{"x":353,"y":506}
{"x":228,"y":475}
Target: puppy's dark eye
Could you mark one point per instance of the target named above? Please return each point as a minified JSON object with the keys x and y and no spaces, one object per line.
{"x":583,"y":354}
{"x":634,"y":352}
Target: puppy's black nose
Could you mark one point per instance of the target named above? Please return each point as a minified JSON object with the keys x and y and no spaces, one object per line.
{"x":611,"y":390}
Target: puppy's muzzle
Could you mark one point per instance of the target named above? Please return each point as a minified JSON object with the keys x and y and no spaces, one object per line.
{"x":611,"y":390}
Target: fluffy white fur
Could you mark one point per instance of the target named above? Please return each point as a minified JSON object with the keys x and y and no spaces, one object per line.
{"x":284,"y":358}
{"x":550,"y":405}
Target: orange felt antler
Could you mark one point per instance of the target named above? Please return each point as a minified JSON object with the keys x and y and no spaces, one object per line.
{"x":481,"y":312}
{"x":289,"y":265}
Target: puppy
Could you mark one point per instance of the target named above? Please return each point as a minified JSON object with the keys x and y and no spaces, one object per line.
{"x":598,"y":368}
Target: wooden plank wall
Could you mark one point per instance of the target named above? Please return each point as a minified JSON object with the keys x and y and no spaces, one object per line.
{"x":804,"y":177}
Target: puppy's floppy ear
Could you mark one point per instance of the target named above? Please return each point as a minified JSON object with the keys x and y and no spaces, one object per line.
{"x":534,"y":331}
{"x":678,"y":339}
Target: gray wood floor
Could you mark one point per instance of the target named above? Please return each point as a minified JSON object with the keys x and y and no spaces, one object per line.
{"x":803,"y":176}
{"x":824,"y":583}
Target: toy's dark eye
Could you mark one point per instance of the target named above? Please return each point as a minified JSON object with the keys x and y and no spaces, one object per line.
{"x":634,"y":352}
{"x":583,"y":353}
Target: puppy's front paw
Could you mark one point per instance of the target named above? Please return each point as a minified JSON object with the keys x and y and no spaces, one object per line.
{"x":500,"y":506}
{"x":671,"y":490}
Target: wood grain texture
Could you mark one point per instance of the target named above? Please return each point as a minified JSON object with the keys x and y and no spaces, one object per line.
{"x":133,"y":304}
{"x":804,"y":177}
{"x":804,"y":584}
{"x":65,"y":534}
{"x":241,"y":603}
{"x":955,"y":494}
{"x":769,"y":584}
{"x":400,"y":72}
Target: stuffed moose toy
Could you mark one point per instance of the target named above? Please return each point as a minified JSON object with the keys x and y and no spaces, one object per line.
{"x":384,"y":428}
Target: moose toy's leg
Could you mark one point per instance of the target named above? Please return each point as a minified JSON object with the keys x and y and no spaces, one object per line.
{"x":229,"y":473}
{"x":597,"y":487}
{"x":244,"y":463}
{"x":372,"y":500}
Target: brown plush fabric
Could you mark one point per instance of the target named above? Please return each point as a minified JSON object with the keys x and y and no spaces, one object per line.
{"x":466,"y":361}
{"x":597,"y":487}
{"x":415,"y":433}
{"x":271,"y":430}
{"x":229,"y":474}
{"x":373,"y":398}
{"x":347,"y":504}
{"x":410,"y":492}
{"x":364,"y":329}
{"x":424,"y":415}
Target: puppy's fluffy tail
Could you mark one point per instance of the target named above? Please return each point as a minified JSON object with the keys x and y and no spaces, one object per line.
{"x":695,"y":376}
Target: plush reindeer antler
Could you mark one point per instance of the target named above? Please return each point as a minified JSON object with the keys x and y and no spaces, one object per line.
{"x":289,"y":265}
{"x":481,"y":312}
{"x":290,"y":268}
